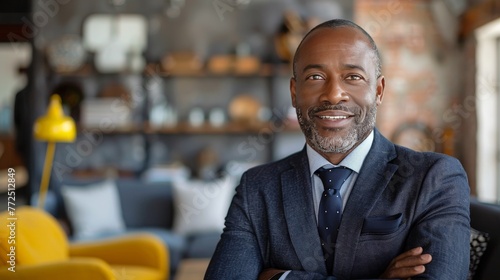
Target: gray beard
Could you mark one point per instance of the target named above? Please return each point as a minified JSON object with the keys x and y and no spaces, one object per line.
{"x":337,"y":144}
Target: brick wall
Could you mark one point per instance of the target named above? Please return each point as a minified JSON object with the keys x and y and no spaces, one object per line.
{"x":422,"y":63}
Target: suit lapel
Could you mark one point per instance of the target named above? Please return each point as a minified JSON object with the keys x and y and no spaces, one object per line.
{"x":299,"y":214}
{"x":373,"y":178}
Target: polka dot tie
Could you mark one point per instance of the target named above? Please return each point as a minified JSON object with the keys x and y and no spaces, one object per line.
{"x":330,"y":210}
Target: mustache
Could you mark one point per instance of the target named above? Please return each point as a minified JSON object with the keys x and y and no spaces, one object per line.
{"x":325,"y":107}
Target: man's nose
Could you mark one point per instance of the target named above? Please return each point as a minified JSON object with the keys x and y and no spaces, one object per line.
{"x":334,"y":93}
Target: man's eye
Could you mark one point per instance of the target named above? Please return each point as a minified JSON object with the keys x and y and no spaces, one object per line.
{"x":315,"y":77}
{"x":354,"y":77}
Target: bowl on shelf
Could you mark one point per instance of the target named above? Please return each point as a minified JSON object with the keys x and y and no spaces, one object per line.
{"x":245,"y":109}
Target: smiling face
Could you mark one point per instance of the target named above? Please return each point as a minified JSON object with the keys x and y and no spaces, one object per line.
{"x":336,"y":90}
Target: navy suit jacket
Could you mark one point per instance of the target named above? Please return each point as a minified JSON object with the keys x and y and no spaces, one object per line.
{"x":402,"y":199}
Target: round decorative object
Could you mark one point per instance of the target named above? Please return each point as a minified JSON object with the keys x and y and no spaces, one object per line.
{"x":182,"y":63}
{"x":196,"y":117}
{"x":217,"y":117}
{"x":66,"y":54}
{"x":244,"y":108}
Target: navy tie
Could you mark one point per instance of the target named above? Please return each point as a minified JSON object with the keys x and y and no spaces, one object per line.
{"x":330,"y":210}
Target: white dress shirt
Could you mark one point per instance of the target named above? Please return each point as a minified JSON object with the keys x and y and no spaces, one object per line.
{"x":354,"y":160}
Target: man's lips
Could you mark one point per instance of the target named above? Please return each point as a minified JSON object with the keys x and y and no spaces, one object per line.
{"x":333,"y":115}
{"x":333,"y":119}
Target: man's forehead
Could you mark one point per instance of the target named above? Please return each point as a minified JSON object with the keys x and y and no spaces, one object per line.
{"x":344,"y":38}
{"x":337,"y":46}
{"x":347,"y":51}
{"x":340,"y":41}
{"x":338,"y":37}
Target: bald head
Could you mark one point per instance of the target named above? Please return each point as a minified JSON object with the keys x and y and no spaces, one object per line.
{"x":342,"y":23}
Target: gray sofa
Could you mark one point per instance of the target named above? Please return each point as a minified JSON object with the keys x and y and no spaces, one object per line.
{"x":486,"y":218}
{"x":146,"y":207}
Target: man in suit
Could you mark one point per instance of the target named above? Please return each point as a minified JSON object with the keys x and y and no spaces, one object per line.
{"x":402,"y":213}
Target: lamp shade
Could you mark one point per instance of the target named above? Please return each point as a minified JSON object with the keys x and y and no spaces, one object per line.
{"x":54,"y":126}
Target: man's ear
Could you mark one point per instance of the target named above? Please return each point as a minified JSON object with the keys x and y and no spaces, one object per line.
{"x":292,"y":91}
{"x":380,"y":89}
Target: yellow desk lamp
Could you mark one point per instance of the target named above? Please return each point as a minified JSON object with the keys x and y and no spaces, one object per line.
{"x":53,"y":127}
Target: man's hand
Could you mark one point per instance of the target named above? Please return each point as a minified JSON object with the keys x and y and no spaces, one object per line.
{"x":408,"y":264}
{"x":269,"y":273}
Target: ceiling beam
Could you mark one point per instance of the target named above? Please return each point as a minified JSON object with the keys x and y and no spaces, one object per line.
{"x":479,"y":15}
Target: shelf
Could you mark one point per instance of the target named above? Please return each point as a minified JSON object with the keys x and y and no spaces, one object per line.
{"x":87,"y":71}
{"x":154,"y":69}
{"x":185,"y":128}
{"x":266,"y":70}
{"x":222,"y":74}
{"x":229,"y":128}
{"x":122,"y":129}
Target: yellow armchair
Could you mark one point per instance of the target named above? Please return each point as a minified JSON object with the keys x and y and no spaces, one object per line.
{"x":33,"y":246}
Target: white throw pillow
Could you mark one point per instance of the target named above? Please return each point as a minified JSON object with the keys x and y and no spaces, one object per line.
{"x":93,"y":209}
{"x":201,"y":206}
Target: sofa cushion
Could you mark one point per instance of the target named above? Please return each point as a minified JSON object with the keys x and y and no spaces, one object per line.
{"x":93,"y":209}
{"x":146,"y":204}
{"x":478,"y":244}
{"x":201,"y":206}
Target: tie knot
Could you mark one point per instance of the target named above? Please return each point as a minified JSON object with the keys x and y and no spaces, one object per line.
{"x":333,"y":178}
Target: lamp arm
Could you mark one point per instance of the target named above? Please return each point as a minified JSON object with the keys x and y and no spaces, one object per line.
{"x":47,"y":168}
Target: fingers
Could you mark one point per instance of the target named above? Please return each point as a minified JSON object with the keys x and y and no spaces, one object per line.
{"x":269,"y":273}
{"x":408,"y":264}
{"x":404,"y":272}
{"x":413,"y":252}
{"x":411,"y":258}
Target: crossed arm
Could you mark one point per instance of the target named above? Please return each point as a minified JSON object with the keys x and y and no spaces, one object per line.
{"x":408,"y":264}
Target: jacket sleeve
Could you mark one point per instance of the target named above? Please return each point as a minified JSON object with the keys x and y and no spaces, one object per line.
{"x":237,"y":255}
{"x":442,"y":221}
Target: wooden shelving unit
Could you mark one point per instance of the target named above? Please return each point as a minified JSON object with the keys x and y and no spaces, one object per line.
{"x":141,"y":126}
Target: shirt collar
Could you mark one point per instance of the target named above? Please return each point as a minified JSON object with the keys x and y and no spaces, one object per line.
{"x":354,"y":160}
